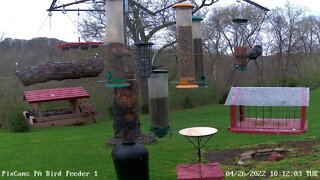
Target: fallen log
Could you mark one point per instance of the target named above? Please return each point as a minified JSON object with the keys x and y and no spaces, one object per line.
{"x":44,"y":72}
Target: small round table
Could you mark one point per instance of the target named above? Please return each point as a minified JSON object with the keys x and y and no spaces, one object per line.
{"x":199,"y":133}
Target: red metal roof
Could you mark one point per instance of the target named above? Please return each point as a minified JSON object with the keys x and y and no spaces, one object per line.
{"x":47,"y":95}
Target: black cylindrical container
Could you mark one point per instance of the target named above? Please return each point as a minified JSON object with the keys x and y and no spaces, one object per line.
{"x":131,"y":161}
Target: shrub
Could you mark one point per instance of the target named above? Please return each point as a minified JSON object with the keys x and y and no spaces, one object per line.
{"x":110,"y":111}
{"x":187,"y":103}
{"x":17,"y":122}
{"x":145,"y":109}
{"x":223,"y":98}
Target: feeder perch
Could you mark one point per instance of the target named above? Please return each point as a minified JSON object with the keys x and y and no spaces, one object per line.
{"x":268,"y":110}
{"x":144,"y":56}
{"x":185,"y":45}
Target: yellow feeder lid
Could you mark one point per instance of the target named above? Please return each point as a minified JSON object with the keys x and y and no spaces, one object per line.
{"x":187,"y":86}
{"x":185,"y":5}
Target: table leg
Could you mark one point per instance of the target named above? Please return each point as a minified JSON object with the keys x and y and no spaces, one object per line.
{"x":199,"y":156}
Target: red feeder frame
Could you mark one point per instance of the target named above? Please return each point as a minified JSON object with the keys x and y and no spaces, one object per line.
{"x":76,"y":45}
{"x":268,"y":110}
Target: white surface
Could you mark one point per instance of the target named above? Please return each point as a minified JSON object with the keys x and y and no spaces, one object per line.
{"x":268,"y":96}
{"x":198,"y":131}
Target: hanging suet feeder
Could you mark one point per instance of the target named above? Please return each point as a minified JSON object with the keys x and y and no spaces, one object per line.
{"x":198,"y":51}
{"x":185,"y":45}
{"x":144,"y":56}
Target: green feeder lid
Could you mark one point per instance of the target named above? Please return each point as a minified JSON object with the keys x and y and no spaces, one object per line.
{"x":160,"y":132}
{"x":108,"y":85}
{"x":118,"y":82}
{"x":202,"y":86}
{"x":197,"y":18}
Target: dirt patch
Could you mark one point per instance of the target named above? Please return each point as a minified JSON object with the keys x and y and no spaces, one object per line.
{"x":230,"y":156}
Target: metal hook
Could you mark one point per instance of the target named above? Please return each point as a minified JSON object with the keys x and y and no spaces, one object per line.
{"x":64,"y":10}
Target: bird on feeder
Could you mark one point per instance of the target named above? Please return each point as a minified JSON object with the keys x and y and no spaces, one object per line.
{"x":254,"y":52}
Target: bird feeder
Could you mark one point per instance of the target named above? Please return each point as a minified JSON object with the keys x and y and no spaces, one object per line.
{"x":76,"y":45}
{"x":115,"y":48}
{"x":117,"y":68}
{"x":198,"y":51}
{"x":158,"y":102}
{"x":240,"y":52}
{"x":144,"y":56}
{"x":241,"y":58}
{"x":268,"y":110}
{"x":114,"y":21}
{"x":185,"y":45}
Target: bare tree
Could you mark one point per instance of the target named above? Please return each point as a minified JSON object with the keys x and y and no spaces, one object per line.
{"x":146,"y":21}
{"x":221,"y":35}
{"x":284,"y":31}
{"x":2,"y":36}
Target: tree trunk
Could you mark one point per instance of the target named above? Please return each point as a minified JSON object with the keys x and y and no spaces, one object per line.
{"x":59,"y":71}
{"x":126,"y":110}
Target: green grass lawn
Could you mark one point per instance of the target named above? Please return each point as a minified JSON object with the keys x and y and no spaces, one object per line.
{"x":83,"y":148}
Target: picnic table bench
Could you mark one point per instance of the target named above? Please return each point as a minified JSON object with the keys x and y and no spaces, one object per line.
{"x":75,"y":113}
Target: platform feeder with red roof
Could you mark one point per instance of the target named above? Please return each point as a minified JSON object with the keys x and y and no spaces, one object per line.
{"x":75,"y":113}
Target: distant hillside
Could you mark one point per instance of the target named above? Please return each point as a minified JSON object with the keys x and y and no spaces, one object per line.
{"x":25,"y":52}
{"x":32,"y":52}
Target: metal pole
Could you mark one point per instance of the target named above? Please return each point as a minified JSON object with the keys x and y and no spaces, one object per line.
{"x":125,"y":13}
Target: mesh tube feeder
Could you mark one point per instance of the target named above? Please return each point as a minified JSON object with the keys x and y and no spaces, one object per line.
{"x":185,"y":45}
{"x":144,"y":56}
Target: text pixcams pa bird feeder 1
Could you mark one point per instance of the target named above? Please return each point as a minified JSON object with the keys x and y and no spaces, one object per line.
{"x":158,"y":102}
{"x":144,"y":56}
{"x":185,"y":45}
{"x":198,"y":51}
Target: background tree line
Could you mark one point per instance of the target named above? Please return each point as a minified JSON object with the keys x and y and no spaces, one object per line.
{"x":289,"y":37}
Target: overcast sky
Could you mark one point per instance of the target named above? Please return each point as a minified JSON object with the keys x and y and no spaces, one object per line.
{"x":26,"y":19}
